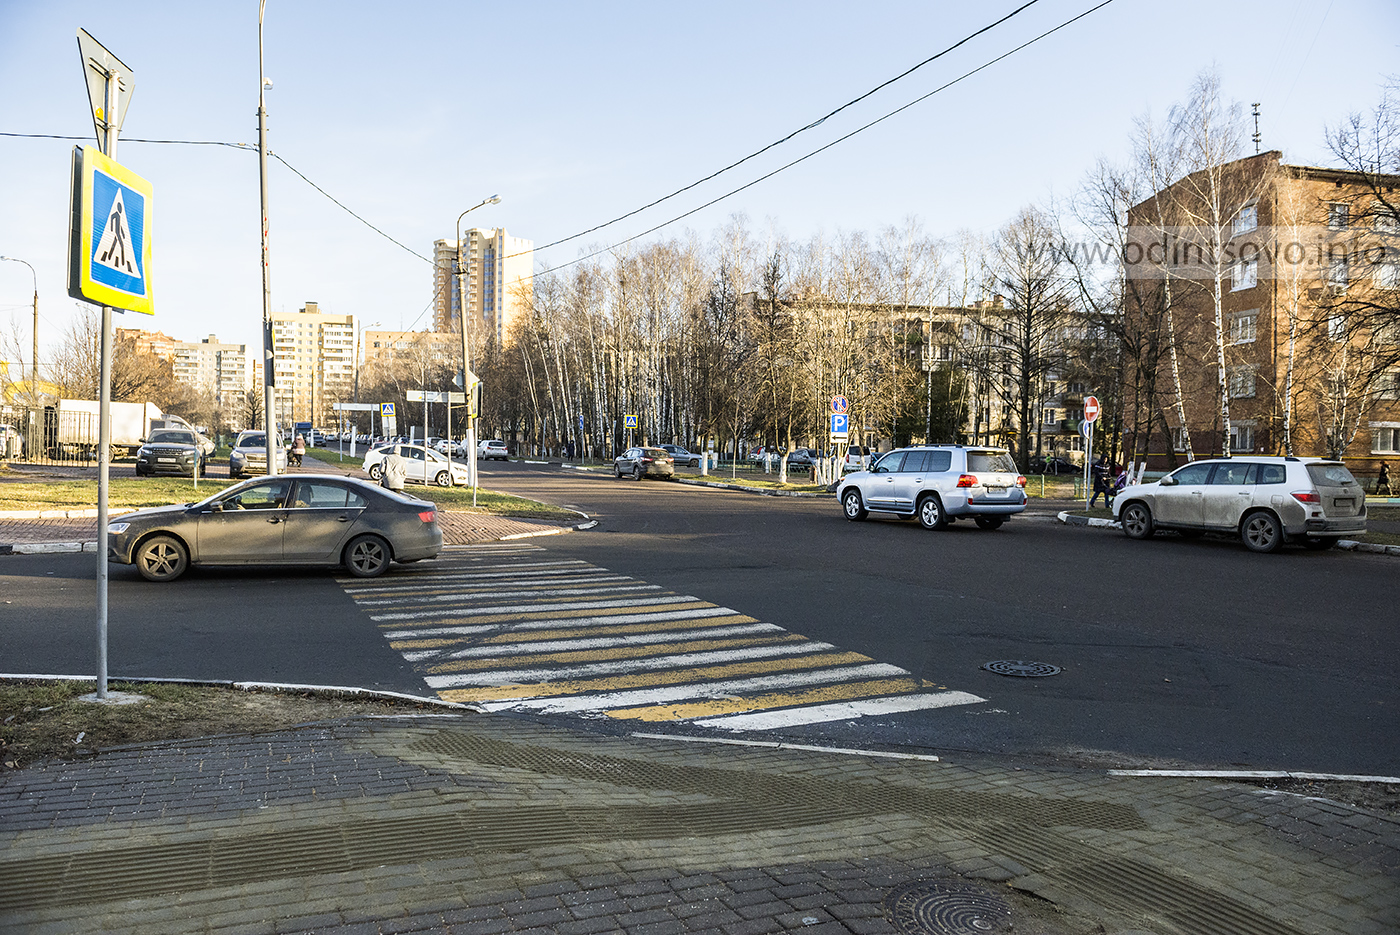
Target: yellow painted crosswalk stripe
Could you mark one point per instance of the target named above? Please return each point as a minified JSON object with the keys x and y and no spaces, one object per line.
{"x":822,"y":695}
{"x":650,"y":679}
{"x":617,"y":652}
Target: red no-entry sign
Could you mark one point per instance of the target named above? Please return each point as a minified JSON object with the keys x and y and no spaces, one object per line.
{"x":1091,"y":409}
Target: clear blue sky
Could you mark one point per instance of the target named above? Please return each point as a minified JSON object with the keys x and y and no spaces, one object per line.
{"x":574,"y":113}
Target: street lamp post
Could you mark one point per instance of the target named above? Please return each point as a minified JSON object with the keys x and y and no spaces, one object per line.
{"x":466,"y":348}
{"x":34,"y":360}
{"x":269,"y":354}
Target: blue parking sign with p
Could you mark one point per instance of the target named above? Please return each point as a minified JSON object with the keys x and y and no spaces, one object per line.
{"x":840,"y":423}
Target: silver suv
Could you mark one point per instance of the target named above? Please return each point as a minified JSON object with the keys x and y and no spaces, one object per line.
{"x":937,"y":484}
{"x":1265,"y":501}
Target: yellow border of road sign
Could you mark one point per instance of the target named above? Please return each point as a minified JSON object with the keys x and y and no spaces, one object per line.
{"x":91,"y":162}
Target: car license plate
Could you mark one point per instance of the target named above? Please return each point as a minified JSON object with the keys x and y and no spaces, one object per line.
{"x":996,"y":491}
{"x":166,"y":460}
{"x":1344,"y":501}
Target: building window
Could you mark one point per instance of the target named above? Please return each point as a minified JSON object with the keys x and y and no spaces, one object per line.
{"x":1338,"y":274}
{"x":1385,"y":221}
{"x":1241,"y":437}
{"x":1179,"y":436}
{"x":1247,"y":219}
{"x":1049,"y":417}
{"x":1338,"y":214}
{"x":1386,"y":275}
{"x":1242,"y":328}
{"x":1241,"y":382}
{"x":1245,"y":274}
{"x":1385,"y":439}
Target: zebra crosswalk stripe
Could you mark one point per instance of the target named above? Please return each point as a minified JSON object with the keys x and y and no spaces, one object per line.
{"x":510,"y":627}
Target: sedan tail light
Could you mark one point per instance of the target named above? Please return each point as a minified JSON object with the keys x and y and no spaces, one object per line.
{"x":1307,"y":496}
{"x":967,"y":480}
{"x":428,"y":516}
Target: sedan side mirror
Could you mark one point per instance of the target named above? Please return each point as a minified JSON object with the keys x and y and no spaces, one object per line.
{"x":1168,"y":482}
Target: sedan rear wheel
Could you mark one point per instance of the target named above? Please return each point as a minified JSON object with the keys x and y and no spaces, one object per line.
{"x":162,"y":558}
{"x":1261,"y":532}
{"x":931,"y":515}
{"x":376,"y":472}
{"x":367,"y":556}
{"x":1137,"y":521}
{"x":617,"y":471}
{"x":637,"y":473}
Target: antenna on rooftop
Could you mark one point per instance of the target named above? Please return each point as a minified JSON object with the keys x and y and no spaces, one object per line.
{"x":1255,"y":105}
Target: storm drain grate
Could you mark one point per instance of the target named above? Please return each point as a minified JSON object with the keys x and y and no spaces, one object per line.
{"x":1022,"y":669}
{"x":937,"y":907}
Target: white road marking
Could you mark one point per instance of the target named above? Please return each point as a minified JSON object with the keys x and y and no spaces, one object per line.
{"x":839,"y":711}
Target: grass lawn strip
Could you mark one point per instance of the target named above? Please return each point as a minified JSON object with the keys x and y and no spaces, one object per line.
{"x":42,"y":720}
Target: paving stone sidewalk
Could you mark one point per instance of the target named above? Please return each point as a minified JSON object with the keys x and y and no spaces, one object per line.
{"x":475,"y":823}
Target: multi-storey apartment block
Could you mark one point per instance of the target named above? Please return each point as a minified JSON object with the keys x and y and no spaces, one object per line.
{"x":314,"y":361}
{"x":495,"y":285}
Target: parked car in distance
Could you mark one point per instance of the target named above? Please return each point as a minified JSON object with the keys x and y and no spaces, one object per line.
{"x":249,"y":454}
{"x":758,"y":454}
{"x":1054,"y":464}
{"x":170,"y":451}
{"x":682,"y":456}
{"x":802,"y":457}
{"x":492,"y":448}
{"x":937,"y":484}
{"x":423,"y":466}
{"x":644,"y":462}
{"x":857,"y":458}
{"x":287,"y":520}
{"x":1266,"y":501}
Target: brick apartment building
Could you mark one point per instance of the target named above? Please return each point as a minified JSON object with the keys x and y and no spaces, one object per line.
{"x":1304,"y":262}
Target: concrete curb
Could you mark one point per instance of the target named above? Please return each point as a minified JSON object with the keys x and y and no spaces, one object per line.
{"x":334,"y":691}
{"x":717,"y":485}
{"x":89,"y":513}
{"x":1346,"y":545}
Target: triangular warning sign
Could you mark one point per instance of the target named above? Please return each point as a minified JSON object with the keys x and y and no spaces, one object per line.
{"x":116,"y":250}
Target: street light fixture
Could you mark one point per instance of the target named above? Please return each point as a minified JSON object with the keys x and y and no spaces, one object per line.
{"x":466,"y":348}
{"x":34,"y":361}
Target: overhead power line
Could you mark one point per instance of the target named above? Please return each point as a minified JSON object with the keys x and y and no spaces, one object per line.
{"x":821,"y":149}
{"x":778,"y":142}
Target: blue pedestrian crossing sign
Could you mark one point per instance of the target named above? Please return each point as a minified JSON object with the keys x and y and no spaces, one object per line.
{"x":840,"y":426}
{"x":629,"y":422}
{"x":386,"y":410}
{"x":109,"y":252}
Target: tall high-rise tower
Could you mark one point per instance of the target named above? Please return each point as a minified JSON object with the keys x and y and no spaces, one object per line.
{"x":496,"y":281}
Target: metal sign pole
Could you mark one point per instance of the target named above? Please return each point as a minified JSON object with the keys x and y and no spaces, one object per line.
{"x":104,"y":418}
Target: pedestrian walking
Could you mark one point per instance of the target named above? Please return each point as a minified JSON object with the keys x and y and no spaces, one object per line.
{"x":1097,"y":472}
{"x":1383,"y":481}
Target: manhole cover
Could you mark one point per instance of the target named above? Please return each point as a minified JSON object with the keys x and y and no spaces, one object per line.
{"x":937,"y":908}
{"x":1022,"y":669}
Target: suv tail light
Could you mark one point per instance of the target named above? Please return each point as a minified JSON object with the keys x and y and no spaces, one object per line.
{"x":967,"y":480}
{"x":1020,"y":480}
{"x":428,"y":516}
{"x":1307,"y":496}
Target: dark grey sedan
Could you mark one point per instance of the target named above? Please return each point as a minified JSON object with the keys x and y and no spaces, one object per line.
{"x":286,"y":520}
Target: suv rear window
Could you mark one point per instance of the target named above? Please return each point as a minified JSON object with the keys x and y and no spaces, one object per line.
{"x":991,"y":461}
{"x":1330,"y":475}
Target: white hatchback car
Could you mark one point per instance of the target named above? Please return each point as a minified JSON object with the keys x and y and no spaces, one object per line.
{"x":937,"y":484}
{"x":1266,"y":501}
{"x":492,"y":448}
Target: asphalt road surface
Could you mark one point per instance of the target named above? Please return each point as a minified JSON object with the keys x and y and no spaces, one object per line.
{"x":1173,"y":653}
